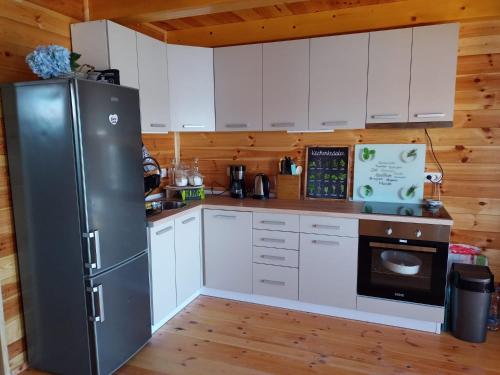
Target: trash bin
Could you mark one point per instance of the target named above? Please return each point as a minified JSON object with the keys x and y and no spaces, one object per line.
{"x":472,"y":286}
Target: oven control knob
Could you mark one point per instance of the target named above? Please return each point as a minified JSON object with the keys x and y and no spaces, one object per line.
{"x":388,"y":231}
{"x":418,"y":233}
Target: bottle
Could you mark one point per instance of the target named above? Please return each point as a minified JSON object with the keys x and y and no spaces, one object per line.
{"x":493,"y":318}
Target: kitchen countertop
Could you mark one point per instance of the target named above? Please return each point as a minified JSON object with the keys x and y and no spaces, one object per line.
{"x":346,"y":209}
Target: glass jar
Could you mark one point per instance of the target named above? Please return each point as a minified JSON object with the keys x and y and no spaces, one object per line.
{"x":195,"y":177}
{"x":181,"y":176}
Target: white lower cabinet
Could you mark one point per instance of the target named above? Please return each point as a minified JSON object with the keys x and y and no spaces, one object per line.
{"x":228,"y":250}
{"x":162,"y":258}
{"x":187,"y":255}
{"x":328,"y":270}
{"x":276,"y":281}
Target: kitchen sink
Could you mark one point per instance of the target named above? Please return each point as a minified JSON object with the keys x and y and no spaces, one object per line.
{"x":155,"y":207}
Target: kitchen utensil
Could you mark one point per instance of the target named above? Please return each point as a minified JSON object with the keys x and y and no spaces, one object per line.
{"x":261,"y":186}
{"x":400,"y":262}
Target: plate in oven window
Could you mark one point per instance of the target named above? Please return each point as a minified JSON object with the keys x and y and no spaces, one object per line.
{"x":399,"y":262}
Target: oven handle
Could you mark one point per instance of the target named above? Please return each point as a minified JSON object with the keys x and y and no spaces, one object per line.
{"x":395,"y":246}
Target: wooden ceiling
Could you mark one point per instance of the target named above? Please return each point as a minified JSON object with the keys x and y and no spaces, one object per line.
{"x":228,"y":22}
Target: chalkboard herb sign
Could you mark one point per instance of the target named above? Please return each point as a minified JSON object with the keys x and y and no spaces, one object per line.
{"x":327,"y":172}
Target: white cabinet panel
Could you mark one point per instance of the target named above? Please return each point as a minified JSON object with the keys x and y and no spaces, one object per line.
{"x":332,"y":226}
{"x":277,"y":239}
{"x":122,"y":44}
{"x":228,"y":250}
{"x":277,"y":257}
{"x":328,"y":270}
{"x":107,"y":45}
{"x":286,"y":85}
{"x":389,"y":76}
{"x":282,"y":222}
{"x":275,"y":281}
{"x":162,"y":258}
{"x":153,"y":82}
{"x":187,"y":255}
{"x":433,"y":73}
{"x":238,"y":87}
{"x":191,"y":88}
{"x":338,"y":82}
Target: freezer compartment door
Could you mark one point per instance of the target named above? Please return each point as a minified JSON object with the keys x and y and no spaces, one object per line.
{"x":120,"y":313}
{"x":110,"y":158}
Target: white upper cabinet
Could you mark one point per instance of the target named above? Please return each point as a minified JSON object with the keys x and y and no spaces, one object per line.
{"x":153,"y":82}
{"x":433,"y":73}
{"x":238,"y":87}
{"x":338,"y":82}
{"x":286,"y":85}
{"x":389,"y":76}
{"x":107,"y":45}
{"x":191,"y":88}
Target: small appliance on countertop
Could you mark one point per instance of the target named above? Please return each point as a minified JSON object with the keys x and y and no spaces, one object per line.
{"x":261,"y":186}
{"x":237,"y":181}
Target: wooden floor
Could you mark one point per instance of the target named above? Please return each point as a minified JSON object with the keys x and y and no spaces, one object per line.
{"x":218,"y":336}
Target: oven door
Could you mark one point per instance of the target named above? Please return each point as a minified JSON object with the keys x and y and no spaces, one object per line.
{"x":406,"y":270}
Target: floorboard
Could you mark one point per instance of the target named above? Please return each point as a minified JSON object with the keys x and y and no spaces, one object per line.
{"x":218,"y":336}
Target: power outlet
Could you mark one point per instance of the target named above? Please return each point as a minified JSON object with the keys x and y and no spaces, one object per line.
{"x":435,"y":177}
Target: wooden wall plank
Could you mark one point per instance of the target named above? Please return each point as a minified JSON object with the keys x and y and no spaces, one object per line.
{"x":71,"y":8}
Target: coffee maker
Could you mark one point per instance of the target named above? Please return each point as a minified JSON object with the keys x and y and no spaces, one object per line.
{"x":237,"y":181}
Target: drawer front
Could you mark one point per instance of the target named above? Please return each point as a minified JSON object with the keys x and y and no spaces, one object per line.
{"x":282,"y":222}
{"x":275,"y":281}
{"x":277,"y":257}
{"x":331,"y":226}
{"x":276,"y":239}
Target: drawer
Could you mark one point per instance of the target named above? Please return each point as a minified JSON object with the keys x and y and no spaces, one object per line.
{"x":282,"y":222}
{"x":275,"y":281}
{"x":277,"y":239}
{"x":332,"y":226}
{"x":277,"y":257}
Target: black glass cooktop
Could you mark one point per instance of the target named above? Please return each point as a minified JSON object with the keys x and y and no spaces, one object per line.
{"x":404,"y":209}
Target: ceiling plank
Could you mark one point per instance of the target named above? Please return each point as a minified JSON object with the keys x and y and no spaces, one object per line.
{"x":347,"y":20}
{"x":132,"y":11}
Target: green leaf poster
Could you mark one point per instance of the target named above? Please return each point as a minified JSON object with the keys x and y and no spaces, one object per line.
{"x":389,"y":173}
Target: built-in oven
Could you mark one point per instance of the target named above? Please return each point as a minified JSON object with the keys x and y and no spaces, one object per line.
{"x":403,"y":261}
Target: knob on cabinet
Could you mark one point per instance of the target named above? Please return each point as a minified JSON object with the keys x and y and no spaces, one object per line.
{"x":388,"y":231}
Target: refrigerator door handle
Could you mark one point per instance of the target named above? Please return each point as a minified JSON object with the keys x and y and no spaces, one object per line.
{"x":99,"y":307}
{"x":95,"y":250}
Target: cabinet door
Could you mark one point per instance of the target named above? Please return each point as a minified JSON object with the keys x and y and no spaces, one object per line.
{"x":389,"y":76}
{"x":90,"y":39}
{"x":191,"y":88}
{"x":328,"y":269}
{"x":122,"y":43}
{"x":228,"y":250}
{"x":338,"y":79}
{"x":162,"y":258}
{"x":433,"y":73}
{"x":238,"y":87}
{"x":153,"y":82}
{"x":286,"y":85}
{"x":187,"y":256}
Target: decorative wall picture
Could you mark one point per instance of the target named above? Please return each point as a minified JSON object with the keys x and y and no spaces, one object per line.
{"x":389,"y":173}
{"x":327,"y":172}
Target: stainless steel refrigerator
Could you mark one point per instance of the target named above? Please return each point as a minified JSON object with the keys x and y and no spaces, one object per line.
{"x":75,"y":164}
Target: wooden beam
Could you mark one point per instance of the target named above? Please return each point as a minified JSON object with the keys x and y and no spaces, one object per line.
{"x":346,"y":20}
{"x":132,"y":11}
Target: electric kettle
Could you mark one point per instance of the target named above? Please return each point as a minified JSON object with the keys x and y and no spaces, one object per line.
{"x":261,"y":186}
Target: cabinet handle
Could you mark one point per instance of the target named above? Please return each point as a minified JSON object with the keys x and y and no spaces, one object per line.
{"x":219,"y":216}
{"x":321,"y":242}
{"x":275,"y":240}
{"x":335,"y":123}
{"x":158,"y":125}
{"x":272,"y":257}
{"x":283,"y":124}
{"x":99,"y":308}
{"x":164,"y":230}
{"x":95,"y":258}
{"x":188,"y":220}
{"x":188,"y":126}
{"x":324,"y":226}
{"x":272,"y":222}
{"x":272,"y":282}
{"x":236,"y":126}
{"x":385,"y":116}
{"x":429,"y":115}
